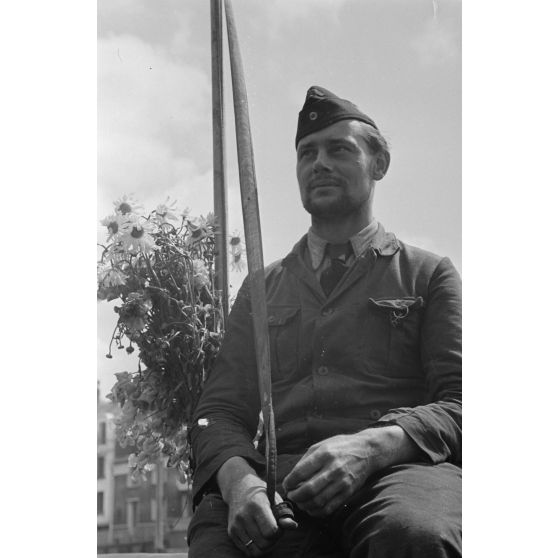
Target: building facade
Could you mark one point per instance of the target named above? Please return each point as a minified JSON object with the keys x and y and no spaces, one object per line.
{"x":136,"y":515}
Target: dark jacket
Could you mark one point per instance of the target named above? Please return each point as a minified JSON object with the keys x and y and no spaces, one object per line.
{"x":385,"y":346}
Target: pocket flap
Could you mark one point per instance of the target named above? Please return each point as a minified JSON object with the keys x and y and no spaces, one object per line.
{"x":407,"y":303}
{"x":281,"y":316}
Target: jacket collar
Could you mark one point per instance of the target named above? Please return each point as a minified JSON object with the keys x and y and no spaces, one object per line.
{"x":359,"y":243}
{"x":381,"y":242}
{"x":384,"y":243}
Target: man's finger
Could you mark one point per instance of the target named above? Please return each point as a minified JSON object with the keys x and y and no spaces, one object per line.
{"x":268,"y":530}
{"x":309,"y":464}
{"x":246,"y":528}
{"x":288,"y":524}
{"x":311,"y":488}
{"x":246,"y":543}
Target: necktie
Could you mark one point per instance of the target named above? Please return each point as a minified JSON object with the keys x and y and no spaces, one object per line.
{"x":338,"y":253}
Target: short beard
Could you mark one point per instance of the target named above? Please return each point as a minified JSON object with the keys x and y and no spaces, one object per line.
{"x":337,"y":208}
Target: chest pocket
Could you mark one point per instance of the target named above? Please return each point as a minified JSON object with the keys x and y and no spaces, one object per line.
{"x":284,"y":333}
{"x":395,"y":324}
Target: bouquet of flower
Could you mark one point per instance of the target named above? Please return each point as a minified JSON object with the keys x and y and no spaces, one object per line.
{"x":161,"y":267}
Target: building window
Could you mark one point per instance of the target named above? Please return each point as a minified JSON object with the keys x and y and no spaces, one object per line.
{"x":100,"y":467}
{"x":120,"y":505}
{"x":100,"y":503}
{"x":102,"y":433}
{"x":132,"y":513}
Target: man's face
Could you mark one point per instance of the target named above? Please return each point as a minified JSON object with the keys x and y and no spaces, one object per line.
{"x":336,"y":170}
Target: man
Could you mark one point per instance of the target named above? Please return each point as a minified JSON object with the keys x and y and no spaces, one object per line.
{"x":365,"y":338}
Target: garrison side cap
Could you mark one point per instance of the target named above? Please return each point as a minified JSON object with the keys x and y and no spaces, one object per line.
{"x":322,"y":108}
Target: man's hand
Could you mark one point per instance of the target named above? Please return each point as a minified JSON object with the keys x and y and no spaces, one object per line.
{"x":333,"y":470}
{"x":250,"y":515}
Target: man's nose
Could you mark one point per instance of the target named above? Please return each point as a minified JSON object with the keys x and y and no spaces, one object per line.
{"x":321,"y":162}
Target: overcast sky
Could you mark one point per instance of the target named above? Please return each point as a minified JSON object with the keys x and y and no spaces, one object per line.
{"x":398,"y":60}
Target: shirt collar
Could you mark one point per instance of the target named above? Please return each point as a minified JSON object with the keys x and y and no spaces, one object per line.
{"x":359,"y":242}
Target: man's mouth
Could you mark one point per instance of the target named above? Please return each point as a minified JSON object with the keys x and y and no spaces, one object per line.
{"x":315,"y":184}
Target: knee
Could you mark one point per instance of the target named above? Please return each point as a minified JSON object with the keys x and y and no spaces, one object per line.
{"x":416,"y":528}
{"x":406,"y":532}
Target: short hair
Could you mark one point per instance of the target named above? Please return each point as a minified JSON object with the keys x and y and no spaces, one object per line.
{"x":374,"y":139}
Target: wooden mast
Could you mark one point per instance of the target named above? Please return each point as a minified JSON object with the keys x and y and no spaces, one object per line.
{"x":254,"y":255}
{"x":219,"y":181}
{"x":254,"y":251}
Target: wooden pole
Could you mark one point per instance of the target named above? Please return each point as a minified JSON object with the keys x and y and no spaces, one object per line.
{"x":219,"y":182}
{"x":254,"y":251}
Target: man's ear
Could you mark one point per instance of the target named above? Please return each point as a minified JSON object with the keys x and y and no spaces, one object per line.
{"x":382,"y":164}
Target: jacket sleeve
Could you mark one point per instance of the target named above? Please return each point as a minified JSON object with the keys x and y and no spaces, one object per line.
{"x":226,"y":417}
{"x":436,"y":426}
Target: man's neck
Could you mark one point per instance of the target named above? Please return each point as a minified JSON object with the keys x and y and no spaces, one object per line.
{"x":338,"y":231}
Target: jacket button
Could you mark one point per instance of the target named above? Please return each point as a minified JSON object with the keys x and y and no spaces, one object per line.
{"x":375,"y":414}
{"x":327,"y":311}
{"x":323,"y":370}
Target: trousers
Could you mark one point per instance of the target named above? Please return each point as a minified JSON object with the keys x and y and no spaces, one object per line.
{"x":406,"y":511}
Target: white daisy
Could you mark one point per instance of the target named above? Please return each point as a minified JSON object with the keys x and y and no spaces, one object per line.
{"x":137,"y":235}
{"x":165,"y":213}
{"x":113,"y":223}
{"x":199,"y":229}
{"x":237,"y":252}
{"x":126,"y":205}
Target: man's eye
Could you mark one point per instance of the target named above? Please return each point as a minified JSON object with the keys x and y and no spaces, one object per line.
{"x":340,"y":148}
{"x":304,"y":153}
